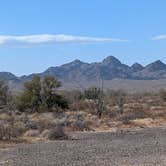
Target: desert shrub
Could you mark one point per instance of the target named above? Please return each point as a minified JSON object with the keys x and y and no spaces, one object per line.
{"x":112,"y":114}
{"x":92,"y":93}
{"x":13,"y":101}
{"x":83,"y":105}
{"x":98,"y":96}
{"x":11,"y":126}
{"x":8,"y":132}
{"x":127,"y":119}
{"x":20,"y":126}
{"x":119,"y":98}
{"x":61,"y":101}
{"x":31,"y":125}
{"x":56,"y":133}
{"x":138,"y":113}
{"x":45,"y":124}
{"x":80,"y":125}
{"x":74,"y":95}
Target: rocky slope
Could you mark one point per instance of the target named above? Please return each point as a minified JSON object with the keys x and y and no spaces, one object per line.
{"x":110,"y":68}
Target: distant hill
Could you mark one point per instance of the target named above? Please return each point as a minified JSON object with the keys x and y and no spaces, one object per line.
{"x":110,"y":68}
{"x":80,"y":74}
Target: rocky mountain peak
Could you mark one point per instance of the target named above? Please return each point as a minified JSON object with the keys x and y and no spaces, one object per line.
{"x":76,"y":62}
{"x":157,"y":65}
{"x":111,"y":60}
{"x":136,"y":67}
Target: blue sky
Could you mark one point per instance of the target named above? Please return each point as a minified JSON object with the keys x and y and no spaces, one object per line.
{"x":97,"y":21}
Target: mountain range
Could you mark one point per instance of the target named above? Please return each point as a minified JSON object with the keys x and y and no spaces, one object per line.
{"x":77,"y":72}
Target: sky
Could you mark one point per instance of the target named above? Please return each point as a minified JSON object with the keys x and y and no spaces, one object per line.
{"x":37,"y":34}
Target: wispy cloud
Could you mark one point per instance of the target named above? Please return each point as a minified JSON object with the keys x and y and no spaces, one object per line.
{"x":159,"y":37}
{"x":41,"y":39}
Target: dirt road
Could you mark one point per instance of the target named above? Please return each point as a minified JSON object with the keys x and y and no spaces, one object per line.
{"x":146,"y":147}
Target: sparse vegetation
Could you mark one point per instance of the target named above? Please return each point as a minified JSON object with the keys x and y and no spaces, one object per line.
{"x":44,"y":111}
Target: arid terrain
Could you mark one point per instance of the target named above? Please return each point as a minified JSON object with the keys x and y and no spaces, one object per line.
{"x":44,"y":126}
{"x":145,"y":147}
{"x":83,"y":83}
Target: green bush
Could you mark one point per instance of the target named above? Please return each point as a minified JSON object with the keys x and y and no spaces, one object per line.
{"x":41,"y":94}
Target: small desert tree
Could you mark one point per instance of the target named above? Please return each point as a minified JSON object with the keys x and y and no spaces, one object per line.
{"x":50,"y":96}
{"x":49,"y":87}
{"x":41,"y":94}
{"x":31,"y":97}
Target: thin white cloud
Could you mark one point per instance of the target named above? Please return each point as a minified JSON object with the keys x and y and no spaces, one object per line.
{"x":159,"y":37}
{"x":8,"y":40}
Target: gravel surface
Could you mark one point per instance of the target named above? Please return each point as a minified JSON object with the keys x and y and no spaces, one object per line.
{"x":136,"y":148}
